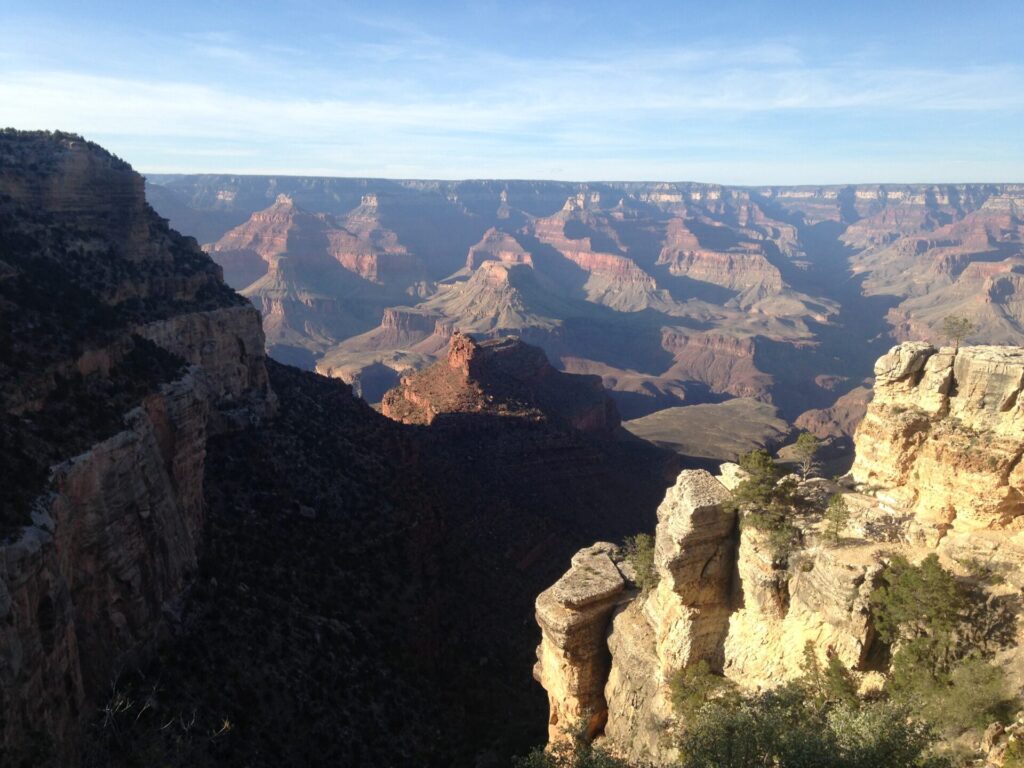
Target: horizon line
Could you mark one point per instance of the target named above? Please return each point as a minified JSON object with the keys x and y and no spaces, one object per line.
{"x":467,"y":179}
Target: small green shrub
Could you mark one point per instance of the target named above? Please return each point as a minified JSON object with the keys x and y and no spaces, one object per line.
{"x":783,"y":728}
{"x":828,"y":685}
{"x":971,"y":693}
{"x":837,"y":515}
{"x":575,"y":754}
{"x":1013,"y":757}
{"x":694,"y":686}
{"x":941,"y":668}
{"x":916,"y":601}
{"x":639,"y":552}
{"x":767,"y":503}
{"x":759,"y":487}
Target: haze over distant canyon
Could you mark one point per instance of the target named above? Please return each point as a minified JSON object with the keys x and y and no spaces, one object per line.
{"x":675,"y":294}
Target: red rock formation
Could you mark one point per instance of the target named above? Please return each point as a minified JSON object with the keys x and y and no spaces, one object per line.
{"x":504,"y":377}
{"x":580,"y":251}
{"x":359,"y":243}
{"x":724,"y":363}
{"x":496,"y":245}
{"x":739,"y":269}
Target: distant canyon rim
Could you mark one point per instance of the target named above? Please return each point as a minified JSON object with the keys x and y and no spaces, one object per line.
{"x":675,"y":294}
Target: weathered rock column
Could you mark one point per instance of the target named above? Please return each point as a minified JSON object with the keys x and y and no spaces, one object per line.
{"x":695,"y":555}
{"x":572,"y":658}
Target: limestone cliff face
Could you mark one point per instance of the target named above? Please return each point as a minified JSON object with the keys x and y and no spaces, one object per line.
{"x":572,"y":660}
{"x":97,"y":558}
{"x":937,"y":467}
{"x":721,"y":598}
{"x":824,"y":601}
{"x":942,"y":438}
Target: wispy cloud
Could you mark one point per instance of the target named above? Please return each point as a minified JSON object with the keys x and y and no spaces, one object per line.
{"x":403,"y":98}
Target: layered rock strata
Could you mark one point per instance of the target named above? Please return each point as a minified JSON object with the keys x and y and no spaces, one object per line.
{"x":942,"y":438}
{"x":721,"y":598}
{"x":572,"y":661}
{"x":504,"y":377}
{"x":937,"y":468}
{"x":100,"y":550}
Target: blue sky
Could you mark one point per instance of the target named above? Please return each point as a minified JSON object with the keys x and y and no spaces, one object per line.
{"x":739,"y":93}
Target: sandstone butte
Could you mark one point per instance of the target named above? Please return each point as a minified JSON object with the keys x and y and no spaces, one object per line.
{"x":502,"y":377}
{"x":937,"y":469}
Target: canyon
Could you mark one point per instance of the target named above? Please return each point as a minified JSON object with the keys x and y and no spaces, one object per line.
{"x":212,"y":558}
{"x":673,"y":293}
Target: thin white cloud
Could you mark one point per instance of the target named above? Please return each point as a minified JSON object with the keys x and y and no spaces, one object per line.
{"x":413,"y":100}
{"x":569,"y":96}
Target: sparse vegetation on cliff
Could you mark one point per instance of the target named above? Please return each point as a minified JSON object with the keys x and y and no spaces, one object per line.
{"x":767,"y":503}
{"x":956,"y":329}
{"x":837,"y":515}
{"x":697,"y":684}
{"x":806,"y":449}
{"x":944,"y":633}
{"x":639,"y":552}
{"x":815,"y":721}
{"x":579,"y":753}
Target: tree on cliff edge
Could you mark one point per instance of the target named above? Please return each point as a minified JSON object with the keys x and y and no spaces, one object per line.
{"x":806,"y":450}
{"x":956,"y":329}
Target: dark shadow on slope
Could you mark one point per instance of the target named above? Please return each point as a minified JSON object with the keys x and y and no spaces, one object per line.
{"x":553,"y":265}
{"x":599,"y":241}
{"x":847,"y":346}
{"x":712,"y":237}
{"x":682,"y":288}
{"x":366,"y":592}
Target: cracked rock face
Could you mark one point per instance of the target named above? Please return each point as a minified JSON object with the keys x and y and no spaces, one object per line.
{"x":95,"y":560}
{"x":940,"y":451}
{"x":826,"y":603}
{"x":572,"y":658}
{"x":608,"y":652}
{"x":943,"y":438}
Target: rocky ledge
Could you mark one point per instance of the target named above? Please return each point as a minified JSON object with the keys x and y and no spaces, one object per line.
{"x":937,"y":470}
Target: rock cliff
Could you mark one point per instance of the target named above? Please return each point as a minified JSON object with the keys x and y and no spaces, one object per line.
{"x":122,"y":352}
{"x":234,"y":583}
{"x":504,"y":377}
{"x":942,"y":438}
{"x":496,"y":245}
{"x":358,"y":243}
{"x":936,"y":469}
{"x":722,"y":597}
